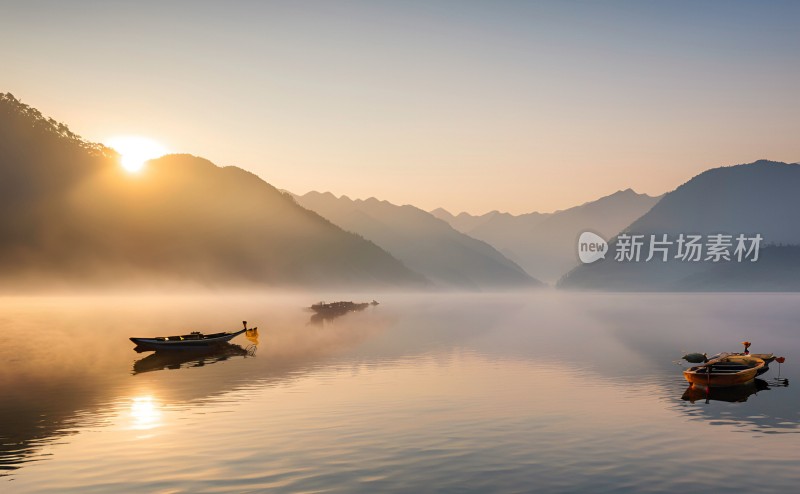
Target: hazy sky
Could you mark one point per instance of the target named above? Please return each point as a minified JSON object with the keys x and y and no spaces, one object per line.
{"x":516,"y":106}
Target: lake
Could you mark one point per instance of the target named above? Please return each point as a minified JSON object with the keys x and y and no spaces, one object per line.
{"x":534,"y":392}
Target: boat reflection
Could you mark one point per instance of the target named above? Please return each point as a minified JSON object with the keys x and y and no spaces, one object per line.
{"x":319,"y":319}
{"x":733,"y":394}
{"x":327,"y":312}
{"x":191,"y":358}
{"x":770,"y":413}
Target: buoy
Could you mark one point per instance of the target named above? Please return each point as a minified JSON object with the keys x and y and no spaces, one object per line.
{"x":780,"y":360}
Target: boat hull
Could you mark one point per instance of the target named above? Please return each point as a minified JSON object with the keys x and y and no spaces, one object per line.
{"x":722,"y":376}
{"x":160,"y":344}
{"x":720,"y":381}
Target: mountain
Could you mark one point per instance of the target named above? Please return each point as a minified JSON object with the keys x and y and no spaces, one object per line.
{"x":545,"y":244}
{"x":465,"y":222}
{"x":777,"y":270}
{"x":752,"y":199}
{"x":422,"y":242}
{"x":71,"y":214}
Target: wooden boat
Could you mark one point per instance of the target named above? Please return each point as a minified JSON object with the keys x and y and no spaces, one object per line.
{"x":701,"y":358}
{"x":189,"y":341}
{"x":725,"y":370}
{"x":339,"y":307}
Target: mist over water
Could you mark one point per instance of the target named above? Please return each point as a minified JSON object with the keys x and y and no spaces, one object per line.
{"x":545,"y":391}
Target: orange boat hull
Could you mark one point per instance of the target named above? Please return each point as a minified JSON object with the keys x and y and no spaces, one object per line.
{"x":718,"y":381}
{"x":717,"y":378}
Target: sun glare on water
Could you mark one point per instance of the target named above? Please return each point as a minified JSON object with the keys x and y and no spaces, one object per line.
{"x":135,"y":151}
{"x":145,"y":412}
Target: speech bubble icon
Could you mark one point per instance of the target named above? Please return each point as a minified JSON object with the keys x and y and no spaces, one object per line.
{"x":591,"y":247}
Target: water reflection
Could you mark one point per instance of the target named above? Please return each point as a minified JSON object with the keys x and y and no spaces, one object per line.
{"x":759,"y":407}
{"x":145,"y":412}
{"x":335,"y":312}
{"x":512,"y":391}
{"x":734,"y":394}
{"x":48,"y":392}
{"x":172,"y":359}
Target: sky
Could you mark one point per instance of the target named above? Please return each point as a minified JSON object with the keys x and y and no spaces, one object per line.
{"x":470,"y":106}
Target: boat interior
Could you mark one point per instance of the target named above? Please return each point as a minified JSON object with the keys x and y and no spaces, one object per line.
{"x":727,"y":366}
{"x":193,"y":336}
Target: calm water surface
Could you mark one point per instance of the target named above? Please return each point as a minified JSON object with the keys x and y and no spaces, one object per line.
{"x":544,"y":392}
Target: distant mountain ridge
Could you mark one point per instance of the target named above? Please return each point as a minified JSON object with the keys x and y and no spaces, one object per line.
{"x":544,"y":243}
{"x":465,"y":222}
{"x":422,"y":242}
{"x":749,"y":199}
{"x":72,"y":215}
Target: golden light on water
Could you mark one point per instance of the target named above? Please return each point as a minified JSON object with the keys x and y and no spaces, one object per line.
{"x":135,"y":151}
{"x":145,"y":412}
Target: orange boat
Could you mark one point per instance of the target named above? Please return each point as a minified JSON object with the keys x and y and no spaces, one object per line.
{"x":725,"y":370}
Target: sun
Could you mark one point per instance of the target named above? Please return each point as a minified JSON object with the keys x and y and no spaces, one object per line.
{"x":135,"y":151}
